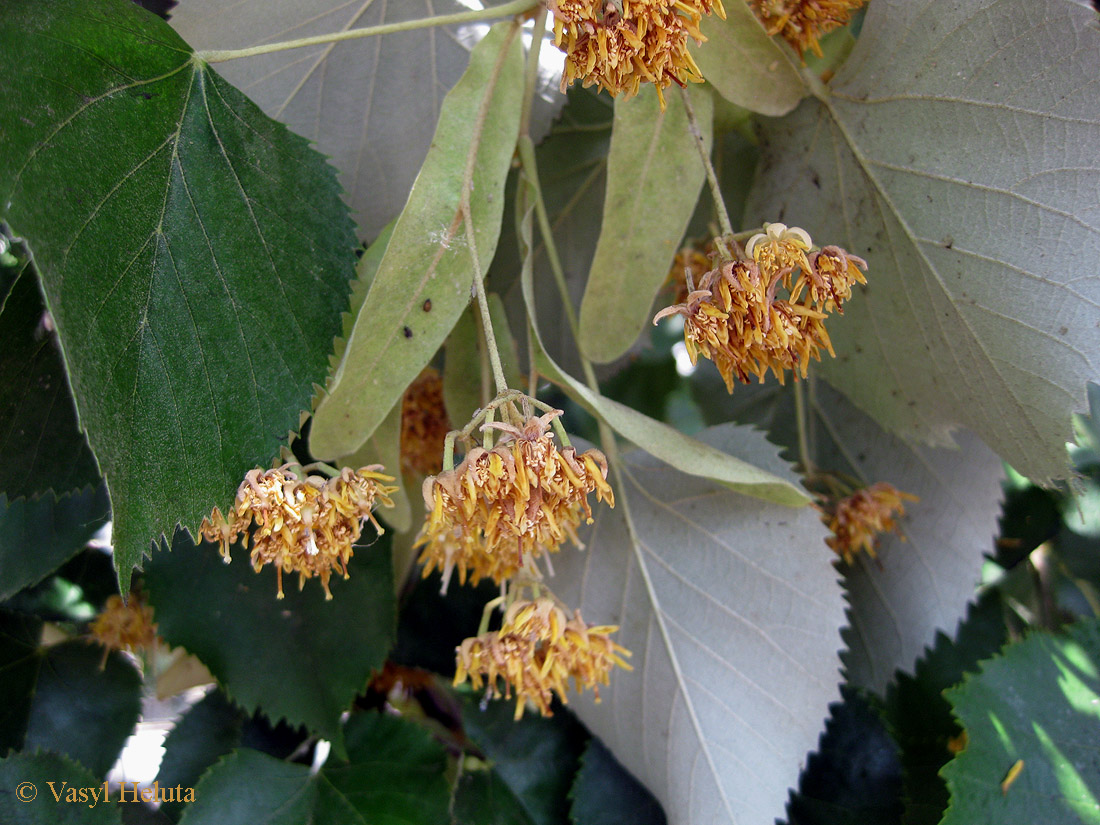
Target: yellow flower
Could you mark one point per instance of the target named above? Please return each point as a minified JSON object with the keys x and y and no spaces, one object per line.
{"x":125,"y":625}
{"x":424,"y":424}
{"x":305,"y":525}
{"x":858,"y":520}
{"x":500,"y":509}
{"x":619,"y":44}
{"x":537,"y":652}
{"x":736,"y":319}
{"x":802,"y":22}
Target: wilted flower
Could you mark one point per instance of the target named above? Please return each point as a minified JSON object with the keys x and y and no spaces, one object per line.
{"x":501,"y":508}
{"x":690,"y":264}
{"x":536,"y":652}
{"x":619,"y":44}
{"x":424,"y":424}
{"x":735,"y":318}
{"x":125,"y":625}
{"x":301,"y":525}
{"x":857,"y":521}
{"x":802,"y":22}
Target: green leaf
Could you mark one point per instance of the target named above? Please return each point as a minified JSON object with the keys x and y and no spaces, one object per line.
{"x":19,"y":637}
{"x":654,"y":175}
{"x":195,"y":271}
{"x":301,"y":658}
{"x":428,"y":256}
{"x":604,"y":793}
{"x":467,"y":380}
{"x":208,"y":731}
{"x":854,"y":777}
{"x":746,"y":66}
{"x":365,"y":271}
{"x":758,"y":473}
{"x":923,"y":583}
{"x":394,"y":774}
{"x":38,"y":535}
{"x":533,"y":760}
{"x":40,"y":769}
{"x":982,"y":252}
{"x":81,"y":709}
{"x":573,"y":173}
{"x":43,"y":447}
{"x":1039,"y":702}
{"x":919,"y":716}
{"x":733,"y":616}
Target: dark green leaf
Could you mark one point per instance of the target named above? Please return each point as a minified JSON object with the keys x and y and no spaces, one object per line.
{"x":301,"y":658}
{"x":919,"y":716}
{"x":535,"y":759}
{"x":207,"y":732}
{"x":19,"y":662}
{"x":1037,"y":704}
{"x":40,"y":769}
{"x":81,"y":709}
{"x":194,"y":254}
{"x":39,"y":535}
{"x":605,"y":793}
{"x":394,"y":774}
{"x":854,"y":777}
{"x":394,"y":771}
{"x":428,"y":255}
{"x":433,"y":625}
{"x":43,"y":447}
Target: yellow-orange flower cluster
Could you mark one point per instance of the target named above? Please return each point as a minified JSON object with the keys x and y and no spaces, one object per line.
{"x":125,"y":625}
{"x":301,"y":525}
{"x":690,"y":265}
{"x":536,"y":652}
{"x":856,"y":521}
{"x":424,"y":424}
{"x":802,"y":22}
{"x":735,"y":318}
{"x":619,"y":44}
{"x":501,"y":508}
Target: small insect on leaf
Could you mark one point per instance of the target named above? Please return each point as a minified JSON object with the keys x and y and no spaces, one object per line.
{"x":408,"y":333}
{"x":427,"y":306}
{"x":1011,"y":776}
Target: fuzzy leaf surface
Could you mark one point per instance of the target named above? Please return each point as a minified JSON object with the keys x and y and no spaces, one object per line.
{"x":923,"y":584}
{"x":747,"y":67}
{"x":301,"y":658}
{"x":40,"y":439}
{"x":1038,"y":702}
{"x":733,"y":617}
{"x":653,"y":180}
{"x":428,"y":256}
{"x":983,"y":289}
{"x":195,"y":270}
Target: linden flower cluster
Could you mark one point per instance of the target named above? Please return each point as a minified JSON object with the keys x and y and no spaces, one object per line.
{"x":618,"y":44}
{"x":125,"y":625}
{"x":301,"y":525}
{"x":856,"y":521}
{"x":537,"y":651}
{"x":802,"y":22}
{"x":424,"y":424}
{"x":501,"y":508}
{"x":735,"y":318}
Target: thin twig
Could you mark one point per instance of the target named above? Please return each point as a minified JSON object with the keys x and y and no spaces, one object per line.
{"x":504,"y":10}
